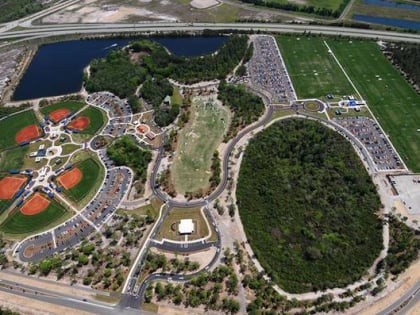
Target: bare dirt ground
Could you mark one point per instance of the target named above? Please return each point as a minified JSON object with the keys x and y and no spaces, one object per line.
{"x":203,"y":257}
{"x":29,"y":306}
{"x":111,"y":11}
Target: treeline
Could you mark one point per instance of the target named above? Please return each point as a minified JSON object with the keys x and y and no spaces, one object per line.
{"x":246,"y":106}
{"x":406,"y":56}
{"x":307,"y":187}
{"x":404,"y":246}
{"x":16,"y":9}
{"x":125,"y":151}
{"x":309,"y":9}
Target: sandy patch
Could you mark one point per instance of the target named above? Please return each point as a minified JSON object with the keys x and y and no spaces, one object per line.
{"x":204,"y":4}
{"x":105,"y":14}
{"x":203,"y":257}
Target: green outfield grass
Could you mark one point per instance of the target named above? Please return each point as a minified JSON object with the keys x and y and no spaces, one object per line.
{"x":91,"y":170}
{"x":196,"y":145}
{"x":13,"y":158}
{"x":392,"y":100}
{"x":18,"y":223}
{"x":73,"y":106}
{"x":10,"y":126}
{"x":97,"y":120}
{"x":313,"y":71}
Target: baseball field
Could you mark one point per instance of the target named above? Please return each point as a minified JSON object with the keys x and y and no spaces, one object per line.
{"x":390,"y":97}
{"x":311,"y":67}
{"x":81,"y":179}
{"x":89,"y":121}
{"x":19,"y":223}
{"x":60,"y":110}
{"x":19,"y":127}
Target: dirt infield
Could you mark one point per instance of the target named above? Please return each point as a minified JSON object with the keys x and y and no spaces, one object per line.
{"x":27,"y":134}
{"x":58,"y":115}
{"x":71,"y":178}
{"x":80,"y":123}
{"x":35,"y":205}
{"x":9,"y":186}
{"x":143,"y":129}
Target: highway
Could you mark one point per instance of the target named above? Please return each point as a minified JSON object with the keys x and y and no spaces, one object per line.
{"x":31,"y":31}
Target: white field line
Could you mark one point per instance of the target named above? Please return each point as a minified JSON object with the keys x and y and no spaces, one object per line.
{"x":361,"y":98}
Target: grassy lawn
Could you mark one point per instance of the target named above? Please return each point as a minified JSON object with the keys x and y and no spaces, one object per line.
{"x":196,"y":144}
{"x":73,"y":106}
{"x":313,"y":71}
{"x":96,"y":117}
{"x":91,"y":170}
{"x":18,"y":223}
{"x":151,"y":209}
{"x":13,"y":158}
{"x":350,"y":112}
{"x":169,"y":228}
{"x":392,"y":100}
{"x":69,"y":148}
{"x":10,"y":126}
{"x":328,"y":4}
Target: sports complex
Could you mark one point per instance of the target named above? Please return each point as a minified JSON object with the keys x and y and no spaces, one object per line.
{"x":65,"y":176}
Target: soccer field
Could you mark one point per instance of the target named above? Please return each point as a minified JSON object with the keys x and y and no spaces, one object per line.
{"x":392,"y":100}
{"x":197,"y":142}
{"x":313,"y":71}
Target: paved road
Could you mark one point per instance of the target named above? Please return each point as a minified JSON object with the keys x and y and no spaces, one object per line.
{"x":410,"y":298}
{"x":86,"y":29}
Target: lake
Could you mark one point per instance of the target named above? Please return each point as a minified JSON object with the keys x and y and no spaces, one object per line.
{"x":57,"y":68}
{"x":415,"y":25}
{"x":392,"y":4}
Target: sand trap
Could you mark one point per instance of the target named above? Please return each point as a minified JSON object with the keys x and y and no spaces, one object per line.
{"x":204,"y":4}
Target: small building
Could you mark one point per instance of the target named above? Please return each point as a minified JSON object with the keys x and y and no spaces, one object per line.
{"x":150,"y":136}
{"x":167,"y":100}
{"x":186,"y":226}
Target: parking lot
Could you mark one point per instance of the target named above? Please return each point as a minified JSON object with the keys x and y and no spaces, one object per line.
{"x":267,"y":71}
{"x":408,"y":188}
{"x":8,"y":64}
{"x":378,"y":146}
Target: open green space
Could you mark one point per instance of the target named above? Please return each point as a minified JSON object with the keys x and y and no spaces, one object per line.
{"x":10,"y":126}
{"x":197,"y":142}
{"x":152,"y":209}
{"x":324,"y":8}
{"x":97,"y":120}
{"x":12,"y":158}
{"x":308,"y":206}
{"x":91,"y":170}
{"x":69,"y":148}
{"x":73,"y":106}
{"x":312,"y":69}
{"x":169,"y":229}
{"x":390,"y":97}
{"x":18,"y":223}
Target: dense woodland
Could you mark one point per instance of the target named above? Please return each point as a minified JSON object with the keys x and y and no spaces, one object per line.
{"x":406,"y":56}
{"x":246,"y":106}
{"x":404,"y":246}
{"x":149,"y":63}
{"x":307,"y":187}
{"x":125,"y":151}
{"x":291,"y":6}
{"x":15,"y":9}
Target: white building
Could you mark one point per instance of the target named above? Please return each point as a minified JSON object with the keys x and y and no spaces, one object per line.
{"x":186,"y":226}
